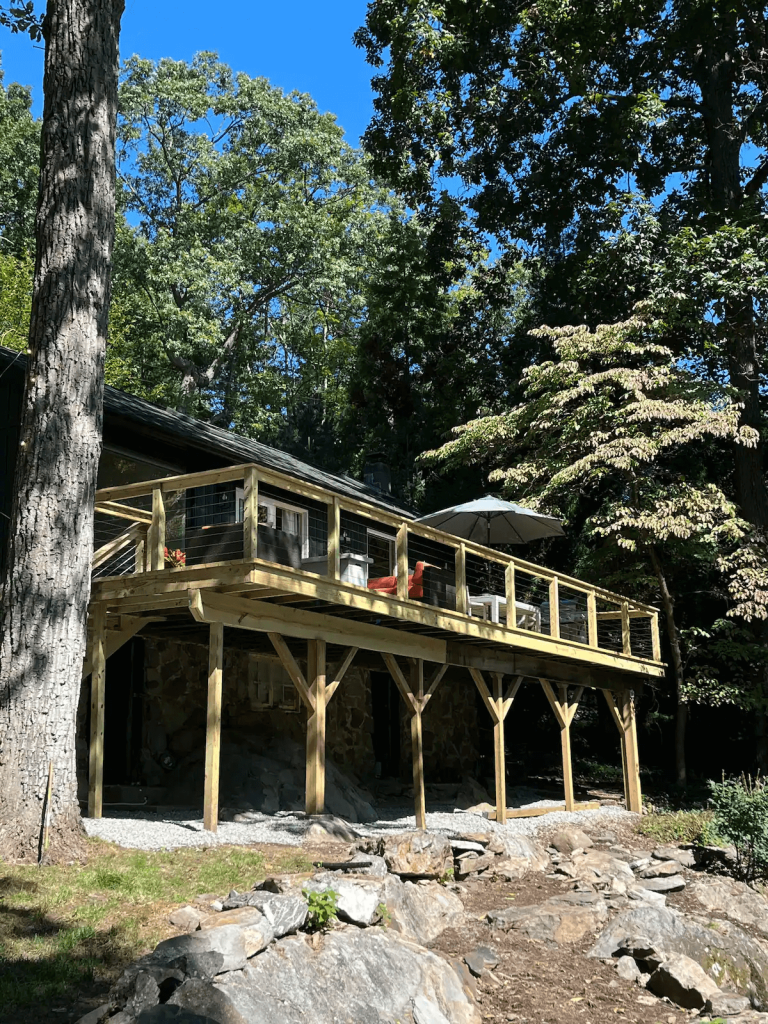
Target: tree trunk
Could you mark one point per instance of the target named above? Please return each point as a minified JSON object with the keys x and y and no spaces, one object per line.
{"x":681,"y":711}
{"x":47,"y":583}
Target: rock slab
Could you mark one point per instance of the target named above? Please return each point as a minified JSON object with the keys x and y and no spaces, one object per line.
{"x":371,"y":975}
{"x":417,"y":854}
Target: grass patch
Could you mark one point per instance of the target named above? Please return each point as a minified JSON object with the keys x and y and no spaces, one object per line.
{"x":67,"y":932}
{"x":677,"y":826}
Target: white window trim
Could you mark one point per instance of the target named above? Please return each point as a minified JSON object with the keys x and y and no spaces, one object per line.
{"x":272,"y":504}
{"x":392,"y":547}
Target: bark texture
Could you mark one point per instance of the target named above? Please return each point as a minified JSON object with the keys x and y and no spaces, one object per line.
{"x":47,"y":584}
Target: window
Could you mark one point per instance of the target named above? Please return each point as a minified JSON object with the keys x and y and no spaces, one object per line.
{"x":280,"y":516}
{"x":381,"y":548}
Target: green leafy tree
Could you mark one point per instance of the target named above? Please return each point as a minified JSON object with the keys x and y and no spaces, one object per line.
{"x":547,"y":114}
{"x":248,"y":220}
{"x":19,"y":169}
{"x":614,"y":419}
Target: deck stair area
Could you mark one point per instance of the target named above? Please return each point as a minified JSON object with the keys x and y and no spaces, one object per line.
{"x":284,"y":564}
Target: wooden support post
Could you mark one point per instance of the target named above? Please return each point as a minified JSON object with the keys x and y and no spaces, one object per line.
{"x":498,"y":706}
{"x":213,"y":727}
{"x":592,"y":619}
{"x":157,"y":533}
{"x":417,"y":743}
{"x":655,"y":638}
{"x":415,"y":701}
{"x":622,"y":707}
{"x":462,"y":603}
{"x":402,"y":562}
{"x":250,"y":513}
{"x":626,"y":639}
{"x":315,"y":797}
{"x":509,"y":589}
{"x":564,"y":709}
{"x":98,"y":673}
{"x":334,"y":538}
{"x":554,"y":608}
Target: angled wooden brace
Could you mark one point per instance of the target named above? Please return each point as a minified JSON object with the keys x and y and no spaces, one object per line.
{"x":621,"y":704}
{"x":564,"y":708}
{"x":415,"y":701}
{"x":498,"y":707}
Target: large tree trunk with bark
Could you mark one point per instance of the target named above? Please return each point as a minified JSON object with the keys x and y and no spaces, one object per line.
{"x":47,"y":584}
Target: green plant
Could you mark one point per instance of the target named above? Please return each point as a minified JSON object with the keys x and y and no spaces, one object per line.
{"x":322,"y":908}
{"x":446,"y":877}
{"x":678,"y":827}
{"x":385,"y":918}
{"x":740,"y":807}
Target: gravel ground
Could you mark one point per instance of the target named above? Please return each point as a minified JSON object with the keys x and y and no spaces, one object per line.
{"x":145,"y":830}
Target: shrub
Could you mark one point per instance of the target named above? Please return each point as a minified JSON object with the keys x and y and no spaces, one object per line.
{"x":322,"y":909}
{"x":678,"y":826}
{"x":740,"y":809}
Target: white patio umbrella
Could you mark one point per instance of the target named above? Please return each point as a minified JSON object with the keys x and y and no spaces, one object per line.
{"x":493,"y":521}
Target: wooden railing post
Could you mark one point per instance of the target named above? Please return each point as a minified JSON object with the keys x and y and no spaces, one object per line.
{"x":334,"y":539}
{"x":626,"y":639}
{"x":402,"y":562}
{"x":509,"y":590}
{"x":462,"y":604}
{"x":157,"y":543}
{"x":250,"y":513}
{"x":98,"y":674}
{"x":554,"y":608}
{"x":655,"y":638}
{"x":213,"y":727}
{"x":140,"y":560}
{"x":592,"y":619}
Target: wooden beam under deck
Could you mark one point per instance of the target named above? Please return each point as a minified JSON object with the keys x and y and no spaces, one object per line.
{"x":127,"y":592}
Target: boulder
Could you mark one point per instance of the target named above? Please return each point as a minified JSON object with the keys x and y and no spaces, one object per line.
{"x":684,"y":981}
{"x":334,"y":827}
{"x":626,"y":968}
{"x":228,"y":941}
{"x":286,"y":913}
{"x":204,"y":998}
{"x":725,"y":1004}
{"x":660,"y":869}
{"x":685,"y":858}
{"x":357,"y":901}
{"x":736,"y":900}
{"x":186,"y":918}
{"x":731,"y":957}
{"x":166,"y":976}
{"x":256,"y":931}
{"x":146,"y":993}
{"x":426,"y":1012}
{"x":598,"y":865}
{"x":636,"y":892}
{"x":471,"y":864}
{"x":481,"y":959}
{"x":566,"y":918}
{"x":417,"y":854}
{"x":421,"y":912}
{"x":170,"y":1015}
{"x":669,"y":883}
{"x":569,"y":839}
{"x":375,"y":975}
{"x":520,"y":856}
{"x":460,"y":846}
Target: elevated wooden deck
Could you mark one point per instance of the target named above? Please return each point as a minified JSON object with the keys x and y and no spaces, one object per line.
{"x":280,"y":561}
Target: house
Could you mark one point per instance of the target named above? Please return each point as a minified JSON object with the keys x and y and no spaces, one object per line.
{"x":236,"y":589}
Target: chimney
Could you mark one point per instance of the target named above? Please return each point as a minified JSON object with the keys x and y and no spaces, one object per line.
{"x":376,"y":473}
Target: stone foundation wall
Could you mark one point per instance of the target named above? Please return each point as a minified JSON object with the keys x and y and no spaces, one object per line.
{"x":449,"y":734}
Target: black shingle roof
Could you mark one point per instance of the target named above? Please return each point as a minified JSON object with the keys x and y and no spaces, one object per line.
{"x":232,"y":448}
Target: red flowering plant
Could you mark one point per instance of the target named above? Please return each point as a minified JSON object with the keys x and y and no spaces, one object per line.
{"x":176,"y":559}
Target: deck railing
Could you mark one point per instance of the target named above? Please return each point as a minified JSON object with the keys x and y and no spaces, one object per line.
{"x":210,"y":523}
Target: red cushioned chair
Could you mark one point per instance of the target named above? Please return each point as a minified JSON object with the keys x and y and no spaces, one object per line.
{"x":388,"y":584}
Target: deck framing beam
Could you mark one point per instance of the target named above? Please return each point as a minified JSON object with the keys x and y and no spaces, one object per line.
{"x":621,"y":704}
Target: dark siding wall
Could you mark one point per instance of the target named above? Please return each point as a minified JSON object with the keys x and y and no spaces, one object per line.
{"x":11,"y":390}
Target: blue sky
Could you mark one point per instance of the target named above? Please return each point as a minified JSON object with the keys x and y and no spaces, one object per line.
{"x":296,"y":44}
